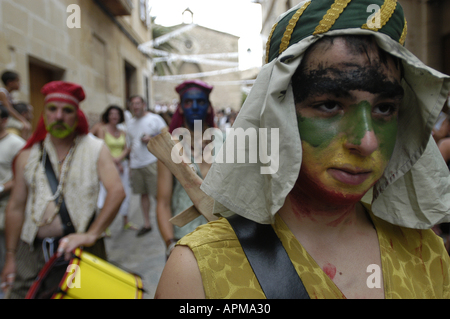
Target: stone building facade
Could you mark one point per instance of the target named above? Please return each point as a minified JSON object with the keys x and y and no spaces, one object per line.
{"x":204,"y":46}
{"x":93,"y":43}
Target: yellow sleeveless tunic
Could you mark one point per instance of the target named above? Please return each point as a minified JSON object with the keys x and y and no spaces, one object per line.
{"x":414,"y":263}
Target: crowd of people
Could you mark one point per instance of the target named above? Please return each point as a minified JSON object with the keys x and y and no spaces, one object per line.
{"x":103,"y":165}
{"x":353,"y":120}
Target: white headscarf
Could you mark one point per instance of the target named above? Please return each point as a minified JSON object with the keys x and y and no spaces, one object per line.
{"x":414,"y":190}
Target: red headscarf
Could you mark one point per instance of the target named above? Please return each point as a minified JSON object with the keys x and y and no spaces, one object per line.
{"x":60,"y":91}
{"x":178,"y":118}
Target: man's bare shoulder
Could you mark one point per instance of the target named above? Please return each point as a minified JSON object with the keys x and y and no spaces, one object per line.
{"x":23,"y":156}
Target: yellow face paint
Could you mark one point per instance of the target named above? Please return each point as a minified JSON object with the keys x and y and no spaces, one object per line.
{"x":347,"y":100}
{"x":358,"y":174}
{"x":346,"y":153}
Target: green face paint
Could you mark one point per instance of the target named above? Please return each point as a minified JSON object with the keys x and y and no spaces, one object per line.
{"x":346,"y":101}
{"x":386,"y":132}
{"x":340,"y":159}
{"x":320,"y":131}
{"x":60,"y":129}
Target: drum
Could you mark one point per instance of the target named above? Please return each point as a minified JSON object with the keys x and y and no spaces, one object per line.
{"x":85,"y":276}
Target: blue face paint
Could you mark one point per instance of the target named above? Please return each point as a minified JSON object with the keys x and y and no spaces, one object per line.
{"x":195,"y":105}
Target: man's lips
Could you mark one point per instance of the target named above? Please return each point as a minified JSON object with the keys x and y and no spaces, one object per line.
{"x":58,"y":126}
{"x":351,"y":176}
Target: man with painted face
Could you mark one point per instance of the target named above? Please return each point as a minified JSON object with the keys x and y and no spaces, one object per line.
{"x":40,"y":220}
{"x":194,"y":101}
{"x":172,"y":199}
{"x":360,"y":180}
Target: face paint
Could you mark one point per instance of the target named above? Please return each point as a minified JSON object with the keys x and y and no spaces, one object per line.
{"x":339,"y":82}
{"x":195,"y":105}
{"x":60,"y":129}
{"x":330,"y":165}
{"x":347,"y":99}
{"x":60,"y":120}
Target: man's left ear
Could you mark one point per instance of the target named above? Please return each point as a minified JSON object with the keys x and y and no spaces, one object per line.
{"x":209,"y":109}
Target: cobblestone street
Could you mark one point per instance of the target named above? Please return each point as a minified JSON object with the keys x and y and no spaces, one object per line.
{"x":144,"y":255}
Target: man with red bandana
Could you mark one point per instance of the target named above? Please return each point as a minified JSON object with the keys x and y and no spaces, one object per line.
{"x":35,"y":225}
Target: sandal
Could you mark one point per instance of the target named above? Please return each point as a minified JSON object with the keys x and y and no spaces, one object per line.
{"x":130,"y":226}
{"x":143,"y":231}
{"x":107,"y":233}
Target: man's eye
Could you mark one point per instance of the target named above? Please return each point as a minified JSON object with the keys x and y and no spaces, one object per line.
{"x":329,"y":106}
{"x":385,"y":109}
{"x":187,"y":103}
{"x":68,"y":110}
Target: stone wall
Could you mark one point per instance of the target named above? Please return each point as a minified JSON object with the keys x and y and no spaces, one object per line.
{"x":34,"y":36}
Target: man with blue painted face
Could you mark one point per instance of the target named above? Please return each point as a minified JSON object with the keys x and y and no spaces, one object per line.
{"x":194,"y":105}
{"x":172,"y":199}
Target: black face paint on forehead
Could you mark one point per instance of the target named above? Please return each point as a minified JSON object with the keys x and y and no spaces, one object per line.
{"x":340,"y":78}
{"x":339,"y":81}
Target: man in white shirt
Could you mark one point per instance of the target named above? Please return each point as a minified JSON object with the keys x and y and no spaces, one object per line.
{"x":143,"y":164}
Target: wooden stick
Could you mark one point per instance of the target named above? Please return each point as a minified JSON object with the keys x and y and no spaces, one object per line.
{"x":185,"y":216}
{"x":161,"y":146}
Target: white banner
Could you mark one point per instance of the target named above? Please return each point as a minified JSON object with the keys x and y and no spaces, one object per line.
{"x":194,"y":75}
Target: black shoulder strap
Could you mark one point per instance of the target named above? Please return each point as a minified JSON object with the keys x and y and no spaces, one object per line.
{"x":53,"y":181}
{"x":269,"y":260}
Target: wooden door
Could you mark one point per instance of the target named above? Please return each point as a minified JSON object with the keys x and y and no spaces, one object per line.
{"x":39,"y":76}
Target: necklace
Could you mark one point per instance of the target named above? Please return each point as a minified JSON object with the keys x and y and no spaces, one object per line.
{"x":59,"y":191}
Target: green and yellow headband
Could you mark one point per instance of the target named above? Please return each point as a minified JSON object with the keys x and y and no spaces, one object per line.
{"x":319,"y":16}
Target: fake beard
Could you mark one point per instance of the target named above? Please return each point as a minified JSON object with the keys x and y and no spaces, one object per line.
{"x":60,"y":129}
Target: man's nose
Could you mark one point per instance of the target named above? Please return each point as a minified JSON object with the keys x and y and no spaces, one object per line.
{"x":361,"y":138}
{"x":194,"y":105}
{"x":59,"y":114}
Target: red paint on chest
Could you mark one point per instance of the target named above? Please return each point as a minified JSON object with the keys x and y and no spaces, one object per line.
{"x":330,"y":270}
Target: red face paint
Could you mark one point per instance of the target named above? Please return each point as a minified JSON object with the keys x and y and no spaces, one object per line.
{"x":308,"y":196}
{"x":330,"y":270}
